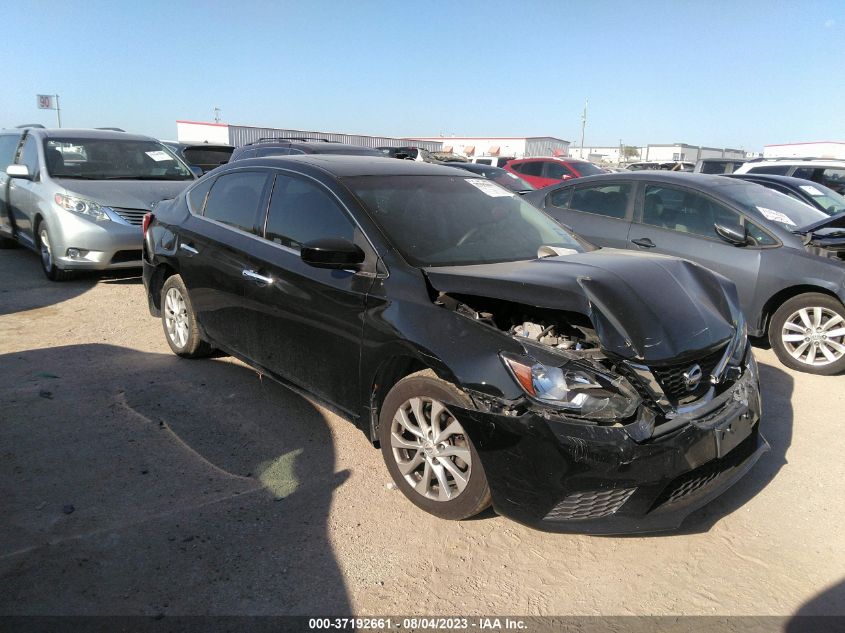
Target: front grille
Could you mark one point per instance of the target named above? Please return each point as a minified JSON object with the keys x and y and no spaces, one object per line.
{"x":591,"y":504}
{"x":133,"y":216}
{"x":121,"y":257}
{"x":671,"y":377}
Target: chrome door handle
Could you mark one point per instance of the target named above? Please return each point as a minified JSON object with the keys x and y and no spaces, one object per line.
{"x":644,"y":242}
{"x":261,"y":280}
{"x":190,"y":250}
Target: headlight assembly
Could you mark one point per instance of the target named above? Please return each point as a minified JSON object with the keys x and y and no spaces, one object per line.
{"x":87,"y":208}
{"x":574,"y":389}
{"x":739,"y":343}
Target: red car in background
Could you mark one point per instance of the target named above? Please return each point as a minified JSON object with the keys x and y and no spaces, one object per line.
{"x":542,"y":172}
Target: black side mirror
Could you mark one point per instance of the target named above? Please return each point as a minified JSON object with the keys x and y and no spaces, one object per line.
{"x":196,"y":170}
{"x":332,"y":253}
{"x":738,"y":236}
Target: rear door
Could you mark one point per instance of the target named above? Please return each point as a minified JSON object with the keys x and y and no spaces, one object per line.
{"x":307,"y":320}
{"x":678,"y":221}
{"x":601,"y":213}
{"x":213,"y":253}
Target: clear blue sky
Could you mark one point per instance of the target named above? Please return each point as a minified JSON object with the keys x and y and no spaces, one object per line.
{"x":738,"y":74}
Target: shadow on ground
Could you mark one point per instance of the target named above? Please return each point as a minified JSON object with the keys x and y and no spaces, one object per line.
{"x":138,"y":483}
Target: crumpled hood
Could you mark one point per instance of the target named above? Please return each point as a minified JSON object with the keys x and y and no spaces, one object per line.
{"x":647,"y":308}
{"x":125,"y":194}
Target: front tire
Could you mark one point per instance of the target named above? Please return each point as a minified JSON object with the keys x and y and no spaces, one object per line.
{"x":808,"y":334}
{"x":180,"y":321}
{"x":427,"y":452}
{"x":48,"y":262}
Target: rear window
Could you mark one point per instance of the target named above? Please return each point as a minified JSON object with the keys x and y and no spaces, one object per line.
{"x":207,"y":158}
{"x":778,"y":170}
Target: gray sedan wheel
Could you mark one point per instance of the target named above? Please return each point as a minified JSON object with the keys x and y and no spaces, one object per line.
{"x":808,"y":334}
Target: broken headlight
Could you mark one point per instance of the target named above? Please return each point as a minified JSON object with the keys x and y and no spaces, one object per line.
{"x":740,"y":343}
{"x":575,"y":389}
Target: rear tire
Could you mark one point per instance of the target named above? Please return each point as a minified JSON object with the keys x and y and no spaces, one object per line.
{"x":427,"y":452}
{"x":180,"y":321}
{"x":45,"y":250}
{"x":808,"y":334}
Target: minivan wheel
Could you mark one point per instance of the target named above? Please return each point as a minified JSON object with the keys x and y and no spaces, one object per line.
{"x":45,"y":250}
{"x":180,"y":322}
{"x":808,"y":334}
{"x":428,"y":454}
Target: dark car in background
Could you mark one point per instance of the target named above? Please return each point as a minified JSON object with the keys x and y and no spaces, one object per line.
{"x":270,"y":146}
{"x":492,"y":355}
{"x":717,"y":165}
{"x":408,"y":153}
{"x":498,"y":175}
{"x":815,"y":194}
{"x":785,"y":257}
{"x":204,"y":156}
{"x":541,"y":172}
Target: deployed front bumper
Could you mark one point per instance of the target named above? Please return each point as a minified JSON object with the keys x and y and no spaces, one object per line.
{"x":567,"y":476}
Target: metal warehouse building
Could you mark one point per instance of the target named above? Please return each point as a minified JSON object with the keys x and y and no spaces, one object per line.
{"x":237,"y":135}
{"x":519,"y":147}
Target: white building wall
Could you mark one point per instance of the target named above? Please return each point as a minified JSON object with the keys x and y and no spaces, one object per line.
{"x":823,"y":149}
{"x":194,"y":132}
{"x":481,"y":146}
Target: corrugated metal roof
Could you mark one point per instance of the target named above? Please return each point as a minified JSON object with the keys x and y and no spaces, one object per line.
{"x":242,"y":134}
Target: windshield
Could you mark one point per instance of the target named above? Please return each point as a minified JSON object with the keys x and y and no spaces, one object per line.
{"x":112,"y":159}
{"x":773,"y":205}
{"x":586,"y":169}
{"x":830,"y":201}
{"x":504,"y":178}
{"x":452,"y":221}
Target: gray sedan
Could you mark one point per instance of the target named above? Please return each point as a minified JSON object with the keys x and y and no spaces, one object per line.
{"x":785,"y":257}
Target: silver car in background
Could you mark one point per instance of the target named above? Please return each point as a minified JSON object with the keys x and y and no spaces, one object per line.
{"x":78,"y":197}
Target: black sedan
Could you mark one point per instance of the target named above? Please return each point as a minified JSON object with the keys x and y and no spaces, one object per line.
{"x":501,"y":176}
{"x":815,"y":194}
{"x":491,"y":354}
{"x":785,"y":257}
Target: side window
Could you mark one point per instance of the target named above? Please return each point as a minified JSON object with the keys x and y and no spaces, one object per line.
{"x":760,"y":237}
{"x":301,"y":211}
{"x":608,"y":200}
{"x":29,"y":155}
{"x":534,"y":168}
{"x":196,"y":196}
{"x":8,"y":145}
{"x":556,"y":170}
{"x":272,"y":151}
{"x":484,"y":161}
{"x":560,"y":198}
{"x":778,"y":170}
{"x":234,"y":199}
{"x":685,"y":211}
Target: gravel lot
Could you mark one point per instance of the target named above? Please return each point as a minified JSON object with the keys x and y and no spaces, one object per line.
{"x":134,"y":482}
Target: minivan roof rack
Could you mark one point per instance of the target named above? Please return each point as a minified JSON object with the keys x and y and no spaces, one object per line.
{"x":793,"y":158}
{"x":298,"y":139}
{"x":110,"y":129}
{"x":26,"y":125}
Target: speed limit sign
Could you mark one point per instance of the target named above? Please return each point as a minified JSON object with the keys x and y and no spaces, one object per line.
{"x":45,"y":102}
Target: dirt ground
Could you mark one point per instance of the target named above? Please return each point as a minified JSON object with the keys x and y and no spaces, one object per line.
{"x":134,"y":482}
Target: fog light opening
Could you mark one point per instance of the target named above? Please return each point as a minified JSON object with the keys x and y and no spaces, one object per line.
{"x":77,"y":253}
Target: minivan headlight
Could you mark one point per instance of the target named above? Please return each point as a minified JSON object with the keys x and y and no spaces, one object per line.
{"x":87,"y":208}
{"x":574,"y":389}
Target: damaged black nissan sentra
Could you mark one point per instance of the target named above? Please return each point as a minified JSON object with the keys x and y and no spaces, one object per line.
{"x":491,"y":354}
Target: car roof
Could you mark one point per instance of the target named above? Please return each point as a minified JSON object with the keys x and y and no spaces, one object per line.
{"x":791,"y":181}
{"x":343,"y":165}
{"x":324,"y":146}
{"x":677,"y":177}
{"x":81,"y":133}
{"x":801,"y":162}
{"x":473,"y":167}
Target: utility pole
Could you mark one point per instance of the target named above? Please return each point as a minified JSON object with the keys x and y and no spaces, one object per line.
{"x":58,"y":112}
{"x":583,"y":125}
{"x":217,"y":115}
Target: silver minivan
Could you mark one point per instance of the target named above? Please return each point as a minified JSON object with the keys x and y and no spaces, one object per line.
{"x":78,"y":197}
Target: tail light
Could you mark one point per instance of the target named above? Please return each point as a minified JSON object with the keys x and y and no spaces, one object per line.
{"x":148,"y":219}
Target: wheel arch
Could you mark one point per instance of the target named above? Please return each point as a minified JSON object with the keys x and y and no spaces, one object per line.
{"x":784,"y":295}
{"x":162,"y":272}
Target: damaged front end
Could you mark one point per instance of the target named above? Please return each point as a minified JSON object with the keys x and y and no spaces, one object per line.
{"x":601,"y":443}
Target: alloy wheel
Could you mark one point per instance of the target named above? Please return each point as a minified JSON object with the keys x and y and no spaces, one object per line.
{"x":814,"y":336}
{"x":46,"y":251}
{"x":176,"y":317}
{"x":431,"y":449}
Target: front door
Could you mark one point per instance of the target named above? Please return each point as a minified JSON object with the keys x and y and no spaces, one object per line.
{"x":308,"y":320}
{"x":679,"y":221}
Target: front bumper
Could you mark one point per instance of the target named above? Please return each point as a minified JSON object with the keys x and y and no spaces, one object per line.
{"x":567,"y":476}
{"x":109,"y":245}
